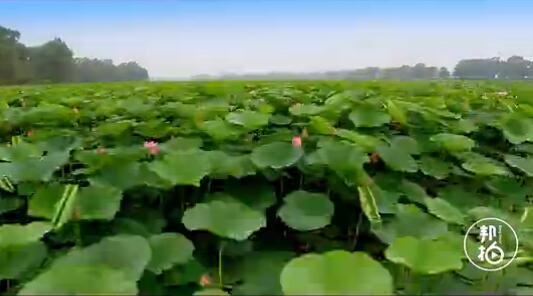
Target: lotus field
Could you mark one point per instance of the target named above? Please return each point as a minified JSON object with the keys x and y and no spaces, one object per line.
{"x":262,"y":188}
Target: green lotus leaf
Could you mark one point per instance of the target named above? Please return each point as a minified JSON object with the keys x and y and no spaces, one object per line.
{"x":279,"y":119}
{"x":412,"y":191}
{"x":121,"y":174}
{"x":335,"y":273}
{"x":397,"y":159}
{"x":425,"y":256}
{"x":305,"y":211}
{"x":396,"y":112}
{"x":435,"y":167}
{"x":366,"y":142}
{"x":410,"y":221}
{"x":517,"y":128}
{"x":129,"y":254}
{"x":183,"y":167}
{"x":16,"y":260}
{"x":183,"y":274}
{"x":305,"y":109}
{"x":320,"y":125}
{"x":223,"y":165}
{"x":45,"y":202}
{"x":18,"y":234}
{"x":220,"y":130}
{"x":210,"y":292}
{"x":445,"y":211}
{"x":341,"y":157}
{"x":276,"y":155}
{"x":453,"y":143}
{"x":407,"y":144}
{"x":368,"y":116}
{"x":98,"y":202}
{"x":230,"y":219}
{"x":260,"y":272}
{"x":168,"y":249}
{"x":248,"y":119}
{"x":181,"y":143}
{"x":521,"y":163}
{"x":113,"y":129}
{"x":90,"y":279}
{"x":34,"y":169}
{"x":483,"y":166}
{"x":8,"y":204}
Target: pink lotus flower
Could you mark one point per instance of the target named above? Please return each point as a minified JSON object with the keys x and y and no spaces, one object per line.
{"x":205,"y":280}
{"x":152,"y":147}
{"x":29,"y":133}
{"x":297,"y":141}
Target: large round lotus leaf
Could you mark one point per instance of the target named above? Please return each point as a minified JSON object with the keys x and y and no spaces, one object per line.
{"x":248,"y":119}
{"x":226,"y":218}
{"x":366,"y":142}
{"x":368,"y":116}
{"x":483,"y":166}
{"x":435,"y":167}
{"x":412,"y":191}
{"x":220,"y":130}
{"x":98,"y":202}
{"x":260,"y":272}
{"x":517,"y":128}
{"x":127,"y":253}
{"x":397,"y":112}
{"x":34,"y":169}
{"x":444,"y":210}
{"x":304,"y":210}
{"x":453,"y":143}
{"x":276,"y":155}
{"x":305,"y":109}
{"x":279,"y":119}
{"x":15,"y":260}
{"x":341,"y":156}
{"x":320,"y":125}
{"x":183,"y":167}
{"x":90,"y":279}
{"x":407,"y":144}
{"x":335,"y":273}
{"x":425,"y":256}
{"x":45,"y":201}
{"x":223,"y":165}
{"x":169,"y":249}
{"x":397,"y":159}
{"x":17,"y":234}
{"x":521,"y":163}
{"x":410,"y":221}
{"x":121,"y":174}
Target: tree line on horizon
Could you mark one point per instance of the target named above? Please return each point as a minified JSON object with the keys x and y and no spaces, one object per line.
{"x":54,"y":62}
{"x":514,"y":68}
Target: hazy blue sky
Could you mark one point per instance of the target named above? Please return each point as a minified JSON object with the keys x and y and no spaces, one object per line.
{"x":181,"y":38}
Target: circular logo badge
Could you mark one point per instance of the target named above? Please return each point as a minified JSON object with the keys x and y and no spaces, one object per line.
{"x":490,"y":244}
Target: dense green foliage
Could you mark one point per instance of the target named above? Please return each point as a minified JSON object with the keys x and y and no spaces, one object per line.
{"x":54,"y":62}
{"x":201,"y":188}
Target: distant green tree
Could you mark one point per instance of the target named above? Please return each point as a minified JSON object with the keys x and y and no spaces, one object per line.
{"x":52,"y":61}
{"x":479,"y":69}
{"x":444,"y":73}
